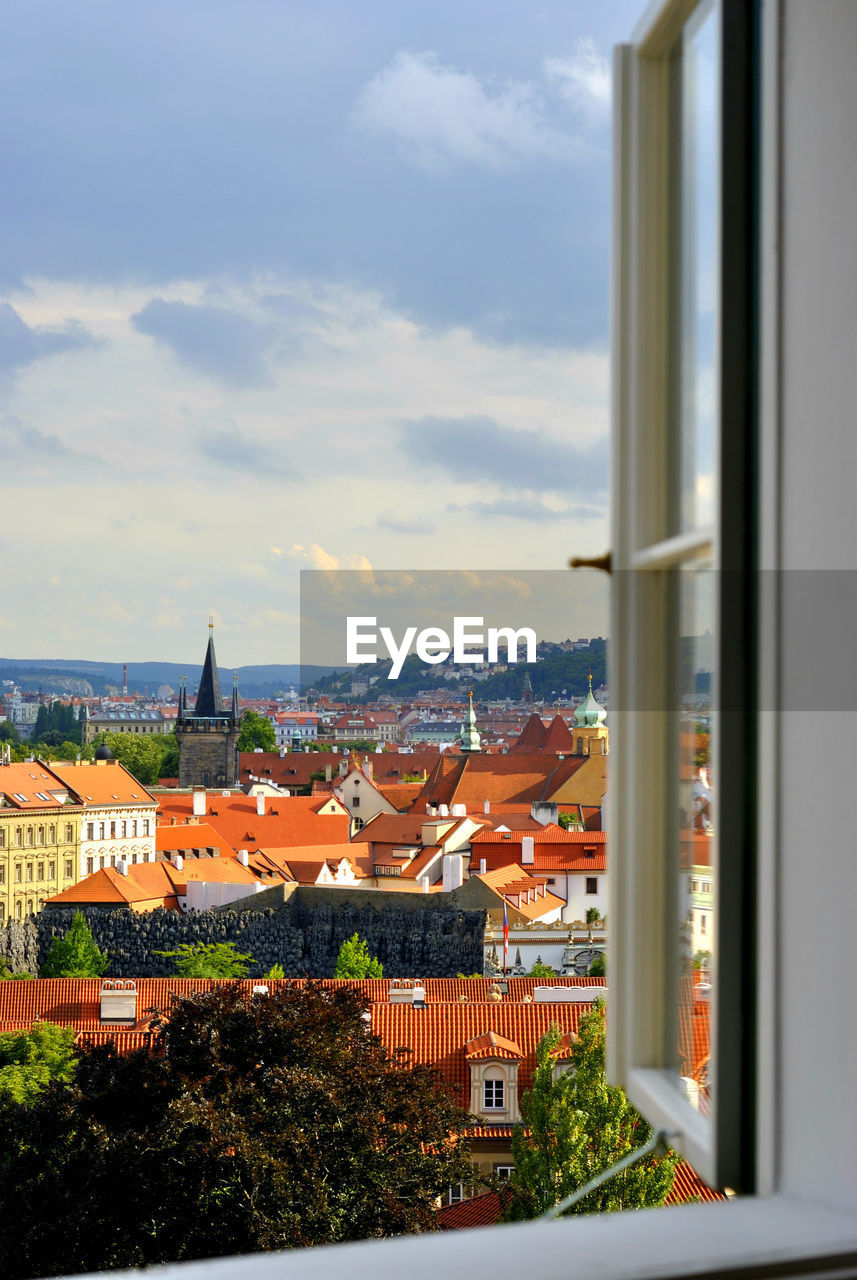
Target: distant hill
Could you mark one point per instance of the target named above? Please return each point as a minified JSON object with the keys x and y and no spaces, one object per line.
{"x":65,"y":675}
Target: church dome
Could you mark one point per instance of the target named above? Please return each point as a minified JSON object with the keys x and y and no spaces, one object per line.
{"x":590,"y":714}
{"x":103,"y":752}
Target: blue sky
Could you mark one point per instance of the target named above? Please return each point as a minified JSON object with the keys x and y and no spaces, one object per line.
{"x":294,"y":285}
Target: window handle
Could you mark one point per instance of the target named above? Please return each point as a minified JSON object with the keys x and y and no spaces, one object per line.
{"x":604,"y":563}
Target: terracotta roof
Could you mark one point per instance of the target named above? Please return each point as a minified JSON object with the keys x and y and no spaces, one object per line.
{"x":155,"y":884}
{"x":401,"y":795}
{"x":101,"y":783}
{"x":511,"y":882}
{"x":479,"y":1211}
{"x":553,"y":850}
{"x":20,"y":783}
{"x":472,"y":779}
{"x":194,"y":835}
{"x":304,"y":862}
{"x":287,"y":821}
{"x":490,"y":1046}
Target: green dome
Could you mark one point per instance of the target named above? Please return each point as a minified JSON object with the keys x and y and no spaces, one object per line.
{"x":590,"y":714}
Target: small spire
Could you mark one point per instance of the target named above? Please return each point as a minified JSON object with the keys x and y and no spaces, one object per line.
{"x":211,"y":624}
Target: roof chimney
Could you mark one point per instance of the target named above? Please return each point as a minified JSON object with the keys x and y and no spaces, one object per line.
{"x":328,"y":773}
{"x":244,"y":857}
{"x":122,"y":867}
{"x":260,"y":805}
{"x":199,"y":801}
{"x":177,"y":861}
{"x":483,"y":866}
{"x":118,"y":1000}
{"x":486,"y":806}
{"x":528,"y":851}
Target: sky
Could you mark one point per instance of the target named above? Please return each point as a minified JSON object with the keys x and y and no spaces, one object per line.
{"x":294,"y":286}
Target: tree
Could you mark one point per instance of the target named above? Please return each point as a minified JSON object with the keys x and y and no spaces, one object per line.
{"x":256,"y":731}
{"x":140,"y":753}
{"x":208,"y":960}
{"x":598,"y":968}
{"x":267,"y":1122}
{"x":542,"y":970}
{"x":354,"y":960}
{"x":29,"y":1060}
{"x":577,"y":1126}
{"x":76,"y":955}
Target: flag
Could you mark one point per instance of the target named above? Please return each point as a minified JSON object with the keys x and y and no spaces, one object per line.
{"x":505,"y":936}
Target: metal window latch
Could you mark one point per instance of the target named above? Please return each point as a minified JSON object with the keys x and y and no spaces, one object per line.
{"x":604,"y":563}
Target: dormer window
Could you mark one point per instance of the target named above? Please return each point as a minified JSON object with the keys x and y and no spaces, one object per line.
{"x":494,"y":1095}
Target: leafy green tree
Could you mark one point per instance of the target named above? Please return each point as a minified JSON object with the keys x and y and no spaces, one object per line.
{"x":275,"y":971}
{"x":256,"y":731}
{"x":267,"y":1123}
{"x":598,"y":968}
{"x":578,"y":1126}
{"x":593,"y":915}
{"x":140,"y":753}
{"x":8,"y":732}
{"x":354,"y":960}
{"x":76,"y":954}
{"x":541,"y":970}
{"x":208,"y":960}
{"x":29,"y":1060}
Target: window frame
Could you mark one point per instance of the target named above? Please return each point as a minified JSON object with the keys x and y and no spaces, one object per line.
{"x":645,"y":556}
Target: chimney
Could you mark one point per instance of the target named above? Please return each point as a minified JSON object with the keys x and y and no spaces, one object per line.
{"x":118,"y":1000}
{"x":328,"y":773}
{"x":528,"y":851}
{"x":486,"y":806}
{"x":459,"y":811}
{"x":177,"y":861}
{"x":444,"y":811}
{"x":483,"y":866}
{"x":260,"y":805}
{"x":343,"y":768}
{"x":453,"y":871}
{"x":199,"y":801}
{"x":122,"y":867}
{"x":544,"y":811}
{"x":244,"y":857}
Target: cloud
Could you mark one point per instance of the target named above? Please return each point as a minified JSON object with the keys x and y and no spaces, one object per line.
{"x":317,"y":558}
{"x":220,"y":343}
{"x":528,"y":509}
{"x":479,"y":449}
{"x":437,"y":113}
{"x":583,"y":79}
{"x":239,"y":451}
{"x":20,"y":345}
{"x":402,"y":520}
{"x":31,"y":449}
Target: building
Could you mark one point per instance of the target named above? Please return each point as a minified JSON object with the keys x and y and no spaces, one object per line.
{"x":40,"y":822}
{"x":117,"y":814}
{"x":208,"y":735}
{"x":125,"y":719}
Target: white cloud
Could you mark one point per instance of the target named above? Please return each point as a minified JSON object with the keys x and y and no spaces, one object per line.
{"x":317,"y":558}
{"x":436,"y":113}
{"x":582,"y":79}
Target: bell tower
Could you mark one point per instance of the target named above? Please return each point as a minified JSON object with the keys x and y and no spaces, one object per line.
{"x":208,"y":735}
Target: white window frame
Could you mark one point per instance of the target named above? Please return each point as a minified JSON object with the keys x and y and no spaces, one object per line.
{"x":494,"y":1082}
{"x":646,"y":552}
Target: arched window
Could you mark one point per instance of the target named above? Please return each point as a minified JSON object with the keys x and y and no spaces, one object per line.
{"x":18,"y":911}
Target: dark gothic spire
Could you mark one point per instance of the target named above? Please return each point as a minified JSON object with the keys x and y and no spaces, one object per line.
{"x":208,"y":699}
{"x":235,"y":711}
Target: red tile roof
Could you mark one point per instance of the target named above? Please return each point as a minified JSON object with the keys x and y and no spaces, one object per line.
{"x":101,"y":783}
{"x":287,"y":821}
{"x":19,"y":784}
{"x":490,"y":1046}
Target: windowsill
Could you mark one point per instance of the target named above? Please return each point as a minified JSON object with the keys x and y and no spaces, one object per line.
{"x":734,"y":1238}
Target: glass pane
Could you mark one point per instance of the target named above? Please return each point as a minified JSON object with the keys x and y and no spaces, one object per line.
{"x":699,"y":221}
{"x":697,"y":846}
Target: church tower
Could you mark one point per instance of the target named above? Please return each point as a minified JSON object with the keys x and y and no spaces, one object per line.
{"x":471,"y":741}
{"x":591,"y":735}
{"x":208,"y":735}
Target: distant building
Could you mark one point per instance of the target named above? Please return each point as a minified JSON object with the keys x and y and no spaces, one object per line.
{"x":122,"y":720}
{"x":208,"y":735}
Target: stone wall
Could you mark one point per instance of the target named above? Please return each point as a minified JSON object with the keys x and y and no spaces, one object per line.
{"x":302,"y":935}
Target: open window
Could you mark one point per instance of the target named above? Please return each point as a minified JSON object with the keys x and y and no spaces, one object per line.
{"x":684,"y":637}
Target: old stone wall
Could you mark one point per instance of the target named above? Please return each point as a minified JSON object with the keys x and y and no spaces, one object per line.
{"x":303,"y":936}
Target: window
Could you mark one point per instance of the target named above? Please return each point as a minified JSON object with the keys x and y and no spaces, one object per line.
{"x":90,"y":866}
{"x":683,"y":603}
{"x":493,"y":1095}
{"x":19,"y":836}
{"x":2,"y":837}
{"x":591,"y":884}
{"x":40,"y":871}
{"x":69,"y":832}
{"x":18,"y":911}
{"x":146,"y":827}
{"x":504,"y":1170}
{"x":52,"y":834}
{"x":101,"y":831}
{"x":455,"y":1194}
{"x":29,"y":871}
{"x":18,"y":873}
{"x":133,"y":830}
{"x":355,"y":803}
{"x":2,"y":873}
{"x":113,"y":831}
{"x":69,"y":867}
{"x":52,"y":871}
{"x":2,"y":912}
{"x":122,"y":832}
{"x":90,"y":831}
{"x":29,"y":835}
